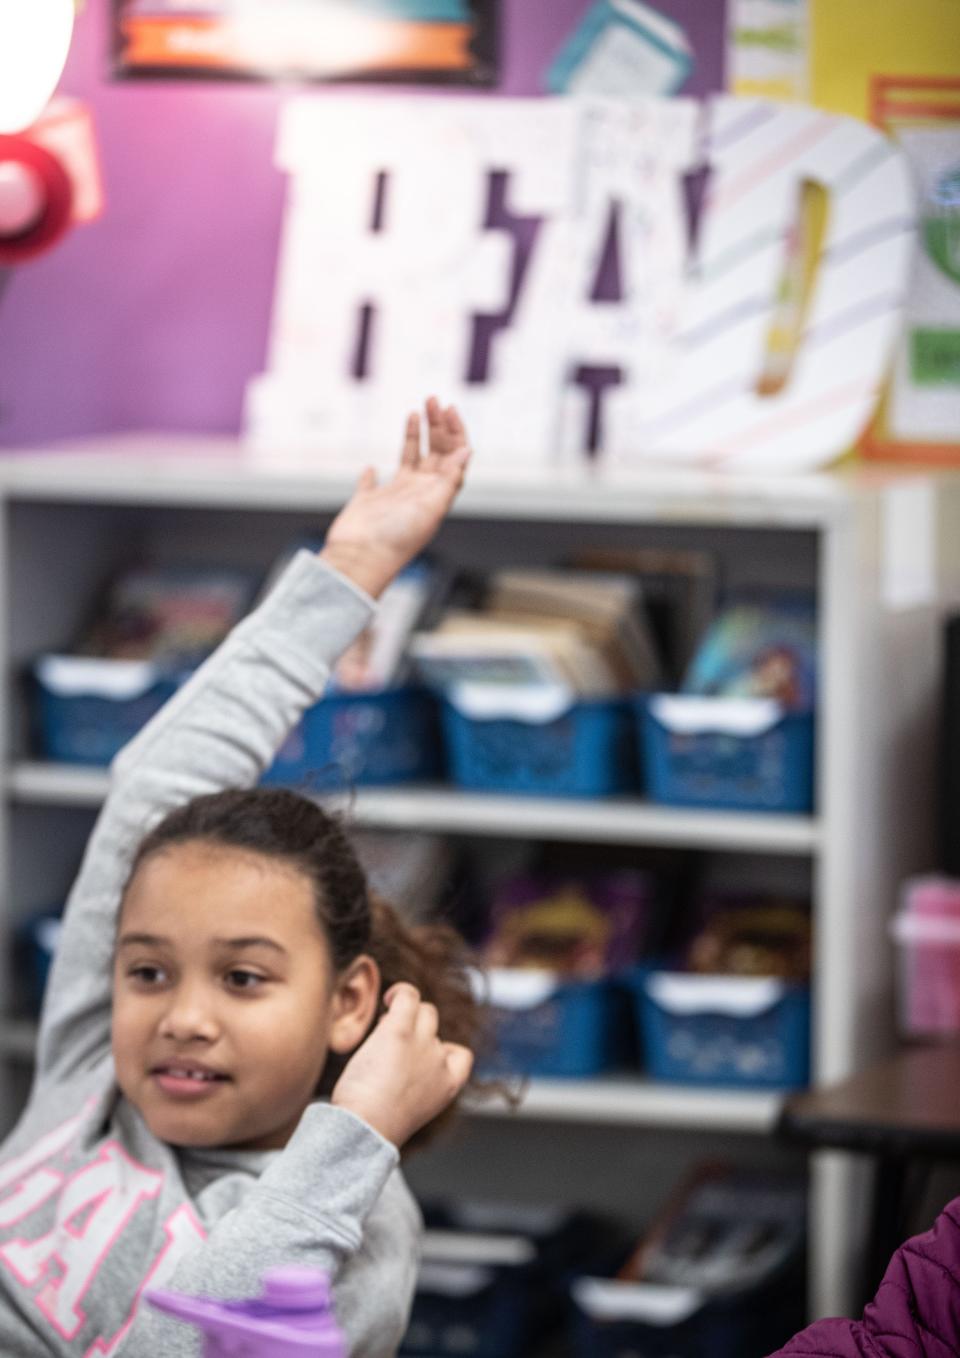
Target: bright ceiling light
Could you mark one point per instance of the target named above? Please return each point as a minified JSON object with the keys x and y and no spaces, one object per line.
{"x":34,"y":41}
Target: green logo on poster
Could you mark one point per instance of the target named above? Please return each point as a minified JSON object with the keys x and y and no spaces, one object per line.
{"x":941,"y":223}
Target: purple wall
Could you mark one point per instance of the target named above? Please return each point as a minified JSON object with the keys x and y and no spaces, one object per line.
{"x":156,"y":316}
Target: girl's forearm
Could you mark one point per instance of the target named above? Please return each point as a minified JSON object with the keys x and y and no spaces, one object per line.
{"x":330,"y":1201}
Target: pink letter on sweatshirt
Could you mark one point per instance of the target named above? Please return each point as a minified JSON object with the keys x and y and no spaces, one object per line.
{"x":183,"y":1231}
{"x":93,"y":1209}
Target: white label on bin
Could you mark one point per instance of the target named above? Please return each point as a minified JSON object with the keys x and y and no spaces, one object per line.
{"x":687,"y":714}
{"x":453,"y":1280}
{"x":652,"y":1303}
{"x":48,"y":934}
{"x":537,"y":703}
{"x":740,"y":996}
{"x":477,"y":1247}
{"x":522,"y":1218}
{"x":513,"y":987}
{"x":73,"y":675}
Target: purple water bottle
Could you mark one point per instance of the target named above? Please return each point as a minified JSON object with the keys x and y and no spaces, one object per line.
{"x":292,"y":1318}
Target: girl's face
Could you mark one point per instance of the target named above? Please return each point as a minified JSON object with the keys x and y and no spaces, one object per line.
{"x":225,"y":999}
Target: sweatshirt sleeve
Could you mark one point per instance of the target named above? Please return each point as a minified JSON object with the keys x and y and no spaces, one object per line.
{"x":333,"y":1200}
{"x":916,"y":1312}
{"x":220,"y":730}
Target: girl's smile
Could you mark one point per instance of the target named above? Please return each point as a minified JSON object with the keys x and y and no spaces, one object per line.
{"x":188,"y":1079}
{"x":225,"y":998}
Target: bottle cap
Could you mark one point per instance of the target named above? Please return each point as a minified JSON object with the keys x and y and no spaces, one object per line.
{"x":296,"y":1289}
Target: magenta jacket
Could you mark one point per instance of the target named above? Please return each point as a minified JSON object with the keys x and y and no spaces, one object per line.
{"x":916,"y":1312}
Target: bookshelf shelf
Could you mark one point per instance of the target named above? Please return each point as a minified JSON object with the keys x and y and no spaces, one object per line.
{"x":446,"y":810}
{"x":640,"y":1103}
{"x":212,"y":472}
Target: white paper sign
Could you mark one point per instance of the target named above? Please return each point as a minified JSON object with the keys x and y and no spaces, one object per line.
{"x":412,"y":222}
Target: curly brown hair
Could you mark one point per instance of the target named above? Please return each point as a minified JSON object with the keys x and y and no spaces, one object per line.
{"x":283,"y":824}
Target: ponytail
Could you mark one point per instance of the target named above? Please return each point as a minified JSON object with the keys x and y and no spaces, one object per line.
{"x":435,"y":959}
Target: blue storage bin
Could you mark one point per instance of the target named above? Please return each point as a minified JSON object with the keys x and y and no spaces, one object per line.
{"x":585,"y":751}
{"x":719,"y":1273}
{"x":86,"y":709}
{"x":37,"y":942}
{"x":546,"y":1025}
{"x":623,"y":1320}
{"x":359,"y":739}
{"x":751,"y":1032}
{"x":744,"y":754}
{"x":469,"y":1308}
{"x":505,"y":1291}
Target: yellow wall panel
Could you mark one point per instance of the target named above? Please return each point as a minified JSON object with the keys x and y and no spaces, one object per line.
{"x":853,"y":40}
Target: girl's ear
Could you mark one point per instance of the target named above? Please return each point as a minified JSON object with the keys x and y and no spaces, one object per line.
{"x":355,"y":1002}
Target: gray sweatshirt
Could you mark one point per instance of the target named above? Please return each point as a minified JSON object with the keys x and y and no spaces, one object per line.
{"x":93,"y":1208}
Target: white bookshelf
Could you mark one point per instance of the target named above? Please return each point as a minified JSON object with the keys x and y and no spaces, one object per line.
{"x":68,"y":515}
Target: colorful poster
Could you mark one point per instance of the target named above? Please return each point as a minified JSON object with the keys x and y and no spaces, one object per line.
{"x":767,"y":48}
{"x":432,"y":41}
{"x":923,"y":403}
{"x":897,"y":64}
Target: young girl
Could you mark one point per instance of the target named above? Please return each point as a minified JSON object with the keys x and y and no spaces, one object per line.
{"x":224,"y":933}
{"x":916,"y":1312}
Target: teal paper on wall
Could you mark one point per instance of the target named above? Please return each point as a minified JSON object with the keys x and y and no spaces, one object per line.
{"x":622,"y":47}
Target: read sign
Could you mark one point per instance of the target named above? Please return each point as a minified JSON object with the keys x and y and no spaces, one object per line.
{"x":539,"y":262}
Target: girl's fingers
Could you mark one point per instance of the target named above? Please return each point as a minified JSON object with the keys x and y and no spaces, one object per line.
{"x":459,"y":1062}
{"x":454,"y":465}
{"x":401,"y":990}
{"x":367,"y":479}
{"x":451,"y":462}
{"x":402,"y":1003}
{"x":449,"y":471}
{"x":428,"y":1020}
{"x":410,"y":457}
{"x":437,"y":427}
{"x":446,"y":437}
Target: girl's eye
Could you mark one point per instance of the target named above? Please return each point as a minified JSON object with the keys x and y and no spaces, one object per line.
{"x":244,"y":980}
{"x":147,"y":975}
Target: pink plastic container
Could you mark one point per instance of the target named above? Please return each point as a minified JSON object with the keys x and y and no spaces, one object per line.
{"x":927,"y":932}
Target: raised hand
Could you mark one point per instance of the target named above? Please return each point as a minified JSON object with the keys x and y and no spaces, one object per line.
{"x":403,"y":1075}
{"x":383,"y":526}
{"x":445,"y":431}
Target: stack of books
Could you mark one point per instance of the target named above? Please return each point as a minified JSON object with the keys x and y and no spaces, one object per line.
{"x":582,"y":631}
